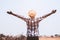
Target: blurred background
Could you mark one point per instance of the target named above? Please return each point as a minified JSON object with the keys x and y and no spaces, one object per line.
{"x":10,"y":25}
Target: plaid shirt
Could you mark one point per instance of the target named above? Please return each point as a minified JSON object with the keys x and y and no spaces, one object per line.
{"x":32,"y":26}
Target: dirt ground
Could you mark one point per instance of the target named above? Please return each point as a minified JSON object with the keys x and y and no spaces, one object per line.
{"x":49,"y":38}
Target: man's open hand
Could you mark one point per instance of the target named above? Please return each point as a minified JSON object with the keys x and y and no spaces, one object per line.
{"x":53,"y":11}
{"x":9,"y":12}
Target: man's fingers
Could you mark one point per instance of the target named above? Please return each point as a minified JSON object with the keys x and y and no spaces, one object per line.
{"x":55,"y":10}
{"x":9,"y":12}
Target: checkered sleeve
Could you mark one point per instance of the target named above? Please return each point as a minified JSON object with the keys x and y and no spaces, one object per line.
{"x":39,"y":19}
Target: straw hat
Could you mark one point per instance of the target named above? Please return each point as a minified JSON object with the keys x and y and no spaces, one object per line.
{"x":32,"y":13}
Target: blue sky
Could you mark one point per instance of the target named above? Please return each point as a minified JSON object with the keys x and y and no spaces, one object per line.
{"x":11,"y":25}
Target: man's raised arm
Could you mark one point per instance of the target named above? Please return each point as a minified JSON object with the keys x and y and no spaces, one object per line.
{"x":41,"y":18}
{"x":10,"y":12}
{"x":53,"y":11}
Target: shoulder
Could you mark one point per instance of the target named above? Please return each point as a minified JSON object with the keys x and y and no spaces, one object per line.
{"x":27,"y":19}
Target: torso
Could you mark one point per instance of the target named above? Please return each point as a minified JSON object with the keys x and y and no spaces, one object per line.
{"x":32,"y":27}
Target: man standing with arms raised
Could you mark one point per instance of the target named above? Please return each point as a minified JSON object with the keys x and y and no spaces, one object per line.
{"x":32,"y":23}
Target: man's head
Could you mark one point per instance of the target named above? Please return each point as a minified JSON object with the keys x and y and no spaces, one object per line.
{"x":32,"y":14}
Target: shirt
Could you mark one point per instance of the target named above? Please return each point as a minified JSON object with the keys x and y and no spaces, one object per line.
{"x":32,"y":26}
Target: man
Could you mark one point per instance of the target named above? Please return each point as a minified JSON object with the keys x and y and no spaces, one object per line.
{"x":32,"y":22}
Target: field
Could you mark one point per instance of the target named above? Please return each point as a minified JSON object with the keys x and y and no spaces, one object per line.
{"x":49,"y":38}
{"x":22,"y":37}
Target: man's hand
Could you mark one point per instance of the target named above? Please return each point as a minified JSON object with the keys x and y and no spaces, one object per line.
{"x":9,"y":12}
{"x":53,"y":11}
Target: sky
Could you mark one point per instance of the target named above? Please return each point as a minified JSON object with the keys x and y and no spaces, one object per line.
{"x":11,"y":25}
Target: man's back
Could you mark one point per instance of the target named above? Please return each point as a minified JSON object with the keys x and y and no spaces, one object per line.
{"x":32,"y":27}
